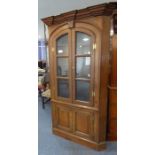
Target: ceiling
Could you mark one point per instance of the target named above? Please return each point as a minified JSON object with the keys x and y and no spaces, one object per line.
{"x":54,"y":7}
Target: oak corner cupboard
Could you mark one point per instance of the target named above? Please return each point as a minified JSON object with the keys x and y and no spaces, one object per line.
{"x":80,"y":67}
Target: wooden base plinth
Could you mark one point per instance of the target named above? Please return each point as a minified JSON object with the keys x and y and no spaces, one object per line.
{"x":80,"y":140}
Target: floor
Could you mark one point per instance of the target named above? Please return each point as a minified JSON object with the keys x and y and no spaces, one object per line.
{"x":49,"y":144}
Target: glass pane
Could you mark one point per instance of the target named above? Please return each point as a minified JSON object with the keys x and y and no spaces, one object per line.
{"x":63,"y":88}
{"x":82,"y":90}
{"x":83,"y":67}
{"x":62,"y":67}
{"x":83,"y":43}
{"x":62,"y":45}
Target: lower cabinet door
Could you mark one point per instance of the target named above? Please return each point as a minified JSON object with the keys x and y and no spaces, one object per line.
{"x":63,"y":118}
{"x":74,"y":120}
{"x":84,"y":124}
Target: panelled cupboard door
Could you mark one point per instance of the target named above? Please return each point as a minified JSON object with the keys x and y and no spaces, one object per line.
{"x":76,"y":121}
{"x":84,"y":124}
{"x":62,"y":118}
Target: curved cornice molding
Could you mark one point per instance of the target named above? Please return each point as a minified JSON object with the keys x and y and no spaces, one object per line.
{"x":105,"y":9}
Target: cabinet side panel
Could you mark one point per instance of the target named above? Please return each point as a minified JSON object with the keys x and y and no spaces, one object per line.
{"x":112,"y":106}
{"x":104,"y":74}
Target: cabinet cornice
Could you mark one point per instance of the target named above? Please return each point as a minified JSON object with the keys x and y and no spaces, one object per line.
{"x":105,"y":9}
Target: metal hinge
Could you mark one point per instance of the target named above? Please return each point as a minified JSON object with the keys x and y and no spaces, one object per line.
{"x":94,"y":46}
{"x":93,"y":93}
{"x":52,"y":49}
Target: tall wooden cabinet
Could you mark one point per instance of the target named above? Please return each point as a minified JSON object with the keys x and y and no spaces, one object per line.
{"x":79,"y":43}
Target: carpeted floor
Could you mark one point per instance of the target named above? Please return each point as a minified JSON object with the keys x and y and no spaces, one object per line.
{"x":49,"y":144}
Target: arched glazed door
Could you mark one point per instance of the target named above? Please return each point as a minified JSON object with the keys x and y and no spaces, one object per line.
{"x":73,"y":61}
{"x":83,"y":66}
{"x":61,"y":66}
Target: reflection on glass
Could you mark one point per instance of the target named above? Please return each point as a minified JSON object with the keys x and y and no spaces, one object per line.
{"x":83,"y":43}
{"x":62,"y":67}
{"x":82,"y":90}
{"x":62,"y":45}
{"x":83,"y":67}
{"x":63,"y":88}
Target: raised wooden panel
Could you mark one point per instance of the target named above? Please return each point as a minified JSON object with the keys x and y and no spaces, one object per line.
{"x":63,"y":118}
{"x":84,"y":124}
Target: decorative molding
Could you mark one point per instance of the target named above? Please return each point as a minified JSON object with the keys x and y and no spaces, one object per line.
{"x":105,"y":9}
{"x":71,"y":24}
